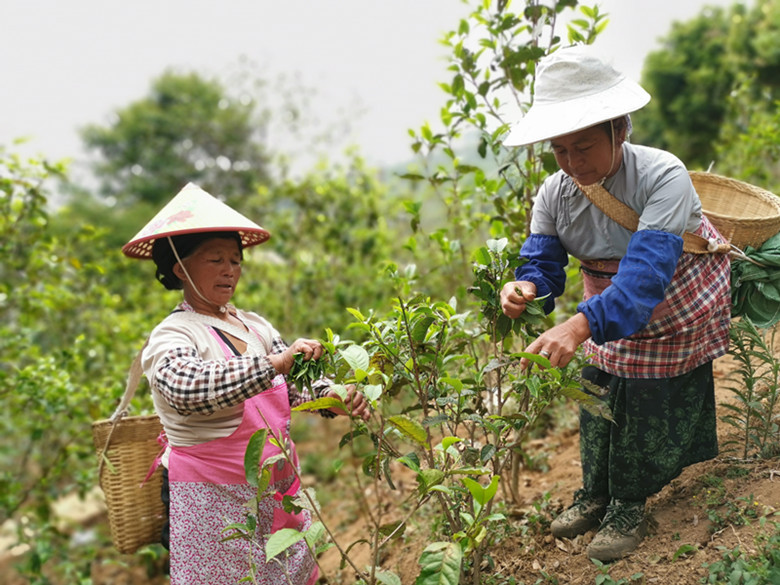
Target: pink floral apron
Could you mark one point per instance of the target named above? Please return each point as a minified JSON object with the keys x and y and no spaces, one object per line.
{"x":208,"y":491}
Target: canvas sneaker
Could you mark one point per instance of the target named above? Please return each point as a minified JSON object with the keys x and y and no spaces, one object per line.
{"x":584,"y":514}
{"x":623,"y":528}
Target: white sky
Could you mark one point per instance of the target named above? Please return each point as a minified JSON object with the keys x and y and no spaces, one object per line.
{"x":69,"y":64}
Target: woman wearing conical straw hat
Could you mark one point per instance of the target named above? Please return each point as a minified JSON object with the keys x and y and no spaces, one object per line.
{"x":217,"y":375}
{"x":655,"y":314}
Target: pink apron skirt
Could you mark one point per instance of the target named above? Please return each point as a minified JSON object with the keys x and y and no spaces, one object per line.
{"x":208,"y":491}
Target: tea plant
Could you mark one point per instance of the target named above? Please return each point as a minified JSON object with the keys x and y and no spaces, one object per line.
{"x":452,"y":405}
{"x":756,"y":413}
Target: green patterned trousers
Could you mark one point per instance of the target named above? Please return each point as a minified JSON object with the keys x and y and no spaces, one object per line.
{"x":661,"y":426}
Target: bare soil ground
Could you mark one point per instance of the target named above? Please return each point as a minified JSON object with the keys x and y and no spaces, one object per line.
{"x":682,"y":520}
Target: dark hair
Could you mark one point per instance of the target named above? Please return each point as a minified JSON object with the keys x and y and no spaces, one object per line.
{"x":618,"y":123}
{"x":185,"y":244}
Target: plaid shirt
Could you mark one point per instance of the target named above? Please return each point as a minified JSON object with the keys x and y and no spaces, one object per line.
{"x":192,"y":385}
{"x":690,"y":328}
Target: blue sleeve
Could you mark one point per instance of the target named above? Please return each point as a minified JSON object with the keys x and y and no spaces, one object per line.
{"x":644,"y":273}
{"x":547,"y":259}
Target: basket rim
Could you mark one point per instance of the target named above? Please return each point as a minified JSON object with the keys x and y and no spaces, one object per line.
{"x":742,"y":186}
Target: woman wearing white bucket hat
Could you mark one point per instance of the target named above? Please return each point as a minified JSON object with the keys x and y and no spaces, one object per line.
{"x":655,"y":312}
{"x":217,"y":375}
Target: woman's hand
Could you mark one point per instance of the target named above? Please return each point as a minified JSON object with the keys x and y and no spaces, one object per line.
{"x":559,"y":343}
{"x":310,"y":348}
{"x":512,"y":301}
{"x":358,"y":405}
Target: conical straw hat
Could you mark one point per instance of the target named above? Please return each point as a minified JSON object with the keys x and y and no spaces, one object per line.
{"x":193,"y":210}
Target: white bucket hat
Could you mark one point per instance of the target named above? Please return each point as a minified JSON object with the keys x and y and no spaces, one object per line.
{"x":191,"y":211}
{"x":575,"y":90}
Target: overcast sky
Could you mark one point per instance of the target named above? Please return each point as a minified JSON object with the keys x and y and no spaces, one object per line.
{"x":69,"y":64}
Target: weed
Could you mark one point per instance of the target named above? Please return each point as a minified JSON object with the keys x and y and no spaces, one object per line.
{"x":538,"y":520}
{"x":735,"y":566}
{"x":756,"y":413}
{"x":603,"y":578}
{"x":500,"y":580}
{"x":735,"y":472}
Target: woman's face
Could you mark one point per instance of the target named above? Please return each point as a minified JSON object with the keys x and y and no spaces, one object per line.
{"x":586,"y":155}
{"x":215,"y":268}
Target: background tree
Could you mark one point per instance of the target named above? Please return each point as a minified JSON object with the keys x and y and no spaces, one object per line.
{"x":749,"y":143}
{"x":67,"y":336}
{"x":188,"y":128}
{"x":714,"y":84}
{"x":689,"y":79}
{"x":332,"y":233}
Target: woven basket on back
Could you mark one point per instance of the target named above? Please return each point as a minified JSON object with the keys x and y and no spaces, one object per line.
{"x":127,"y":448}
{"x":744,"y":214}
{"x":135,"y":511}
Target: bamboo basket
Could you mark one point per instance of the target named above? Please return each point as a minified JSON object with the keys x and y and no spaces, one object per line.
{"x":127,"y":448}
{"x":744,"y":214}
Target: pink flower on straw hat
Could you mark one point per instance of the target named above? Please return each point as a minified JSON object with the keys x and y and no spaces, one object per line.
{"x":193,"y":210}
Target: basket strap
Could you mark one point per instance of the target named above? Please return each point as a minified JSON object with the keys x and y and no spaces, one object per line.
{"x":621,"y":213}
{"x":133,"y":379}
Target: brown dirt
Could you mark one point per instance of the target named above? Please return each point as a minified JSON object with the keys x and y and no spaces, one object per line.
{"x":679,"y":512}
{"x":679,"y":516}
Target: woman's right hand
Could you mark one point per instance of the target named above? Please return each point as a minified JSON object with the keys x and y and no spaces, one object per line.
{"x":515,"y":295}
{"x":310,"y":348}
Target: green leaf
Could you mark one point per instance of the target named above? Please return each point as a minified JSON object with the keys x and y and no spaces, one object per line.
{"x":434,"y":421}
{"x":482,"y":256}
{"x":372,"y":392}
{"x":314,"y":534}
{"x":356,"y":314}
{"x":487,"y":452}
{"x":532,"y":357}
{"x":440,"y":562}
{"x":252,"y":456}
{"x":387,"y":578}
{"x":320,"y":404}
{"x":281,"y":540}
{"x":396,"y":528}
{"x":592,"y":404}
{"x":356,"y":357}
{"x":264,"y":480}
{"x":470,"y":471}
{"x":456,"y":384}
{"x":272,"y":460}
{"x":446,"y":442}
{"x":409,"y":428}
{"x":497,"y":246}
{"x":490,"y":490}
{"x":684,"y":550}
{"x":427,"y":478}
{"x":420,"y":328}
{"x":410,"y":460}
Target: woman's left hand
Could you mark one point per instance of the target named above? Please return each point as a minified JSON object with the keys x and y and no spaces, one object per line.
{"x":559,"y":343}
{"x":310,"y":348}
{"x":356,"y":402}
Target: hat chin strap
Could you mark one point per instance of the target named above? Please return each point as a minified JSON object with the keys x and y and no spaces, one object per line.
{"x":612,"y":148}
{"x":222,"y":308}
